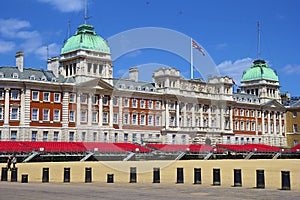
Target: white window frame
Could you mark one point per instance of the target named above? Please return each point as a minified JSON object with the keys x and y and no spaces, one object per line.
{"x":134,"y":103}
{"x":142,"y":119}
{"x":37,"y":114}
{"x":95,"y":99}
{"x":150,"y":104}
{"x":46,"y":99}
{"x":115,"y":118}
{"x":126,"y":118}
{"x":55,"y":98}
{"x":105,"y":101}
{"x":115,"y":101}
{"x":126,"y":102}
{"x":95,"y":117}
{"x":13,"y":93}
{"x":56,"y":115}
{"x":157,"y":120}
{"x":83,"y":116}
{"x":83,"y":99}
{"x":134,"y":119}
{"x":45,"y":136}
{"x":14,"y":116}
{"x":72,"y":98}
{"x":46,"y":112}
{"x":157,"y":105}
{"x":72,"y":117}
{"x":105,"y":117}
{"x":37,"y":95}
{"x":1,"y":113}
{"x":150,"y":120}
{"x":142,"y":104}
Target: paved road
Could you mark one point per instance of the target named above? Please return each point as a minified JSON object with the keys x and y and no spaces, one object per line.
{"x":82,"y":191}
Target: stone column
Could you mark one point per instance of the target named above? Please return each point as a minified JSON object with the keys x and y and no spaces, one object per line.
{"x":167,"y":120}
{"x":6,"y":107}
{"x":111,"y":111}
{"x":280,"y":124}
{"x":275,"y":123}
{"x":256,"y":123}
{"x":263,"y":122}
{"x":231,"y":118}
{"x":90,"y":113}
{"x":221,"y":118}
{"x":201,"y":115}
{"x":121,"y":113}
{"x":193,"y":115}
{"x":269,"y":122}
{"x":184,"y":116}
{"x":100,"y":123}
{"x":177,"y":115}
{"x":78,"y":109}
{"x":22,"y":108}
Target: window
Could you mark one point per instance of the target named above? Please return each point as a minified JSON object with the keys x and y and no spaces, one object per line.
{"x":157,"y":105}
{"x":46,"y":96}
{"x":143,"y":119}
{"x":242,"y":126}
{"x":105,"y":101}
{"x":83,"y":116}
{"x":72,"y":116}
{"x":204,"y":122}
{"x":150,"y":120}
{"x":134,"y":105}
{"x":253,"y":126}
{"x":258,"y":127}
{"x":1,"y":113}
{"x":294,"y":114}
{"x":35,"y":95}
{"x":172,"y":121}
{"x":14,"y":113}
{"x":71,"y":136}
{"x":134,"y":138}
{"x":134,"y":119}
{"x":236,"y":112}
{"x":105,"y":137}
{"x":295,"y":128}
{"x":83,"y":134}
{"x":125,"y":137}
{"x":115,"y":119}
{"x":56,"y":115}
{"x":34,"y":136}
{"x":252,"y":113}
{"x":150,"y":104}
{"x":94,"y":116}
{"x":258,"y":113}
{"x":95,"y":99}
{"x":56,"y":97}
{"x":157,"y":121}
{"x":13,"y":135}
{"x":45,"y":136}
{"x":15,"y":75}
{"x":14,"y":95}
{"x":173,"y":139}
{"x":115,"y":101}
{"x":241,"y":112}
{"x":247,"y":113}
{"x":142,"y":104}
{"x":105,"y":117}
{"x":1,"y":94}
{"x":95,"y":136}
{"x":247,"y":126}
{"x":126,"y":102}
{"x":72,"y":98}
{"x":236,"y":125}
{"x":126,"y":118}
{"x":46,"y":114}
{"x":35,"y":114}
{"x":83,"y":99}
{"x":55,"y":136}
{"x":116,"y":137}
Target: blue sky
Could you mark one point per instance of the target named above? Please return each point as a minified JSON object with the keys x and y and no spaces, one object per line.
{"x":227,"y":30}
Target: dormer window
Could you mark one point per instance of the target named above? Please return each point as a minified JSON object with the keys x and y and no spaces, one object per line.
{"x":1,"y":75}
{"x":43,"y":78}
{"x":32,"y":77}
{"x":15,"y":75}
{"x":53,"y":79}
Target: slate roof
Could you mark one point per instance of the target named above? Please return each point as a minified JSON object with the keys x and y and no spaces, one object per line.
{"x":133,"y":85}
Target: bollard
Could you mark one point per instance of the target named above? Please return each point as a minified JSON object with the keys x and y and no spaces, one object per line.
{"x":180,"y":175}
{"x":132,"y":178}
{"x":156,"y":175}
{"x":24,"y":178}
{"x":216,"y":177}
{"x":88,"y":175}
{"x":45,"y":175}
{"x":237,"y":178}
{"x":260,"y":179}
{"x":66,"y":175}
{"x":197,"y":175}
{"x":285,"y":180}
{"x":14,"y":175}
{"x":110,"y":178}
{"x":4,"y":174}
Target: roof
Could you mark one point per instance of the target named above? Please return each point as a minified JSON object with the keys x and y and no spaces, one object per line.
{"x":259,"y":71}
{"x":85,"y":38}
{"x":133,"y":85}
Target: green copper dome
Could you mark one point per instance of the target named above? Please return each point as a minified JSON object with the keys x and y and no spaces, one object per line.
{"x":85,"y":38}
{"x":258,"y":71}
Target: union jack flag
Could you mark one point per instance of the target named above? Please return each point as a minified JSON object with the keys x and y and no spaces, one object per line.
{"x":196,"y":46}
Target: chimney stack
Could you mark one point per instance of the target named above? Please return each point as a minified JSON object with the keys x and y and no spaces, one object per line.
{"x":20,"y":60}
{"x":52,"y":65}
{"x":134,"y":74}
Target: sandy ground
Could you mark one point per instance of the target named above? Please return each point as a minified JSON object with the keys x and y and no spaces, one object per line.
{"x":168,"y":173}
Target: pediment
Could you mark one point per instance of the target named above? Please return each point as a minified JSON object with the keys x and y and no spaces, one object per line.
{"x":96,"y":83}
{"x":273,"y":104}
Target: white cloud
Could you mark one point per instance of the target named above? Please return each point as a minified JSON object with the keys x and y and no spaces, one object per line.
{"x":291,"y":69}
{"x":6,"y":46}
{"x":235,"y":69}
{"x":10,"y":27}
{"x":53,"y":50}
{"x":65,"y":5}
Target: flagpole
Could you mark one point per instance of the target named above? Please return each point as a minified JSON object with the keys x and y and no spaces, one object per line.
{"x":192,"y":62}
